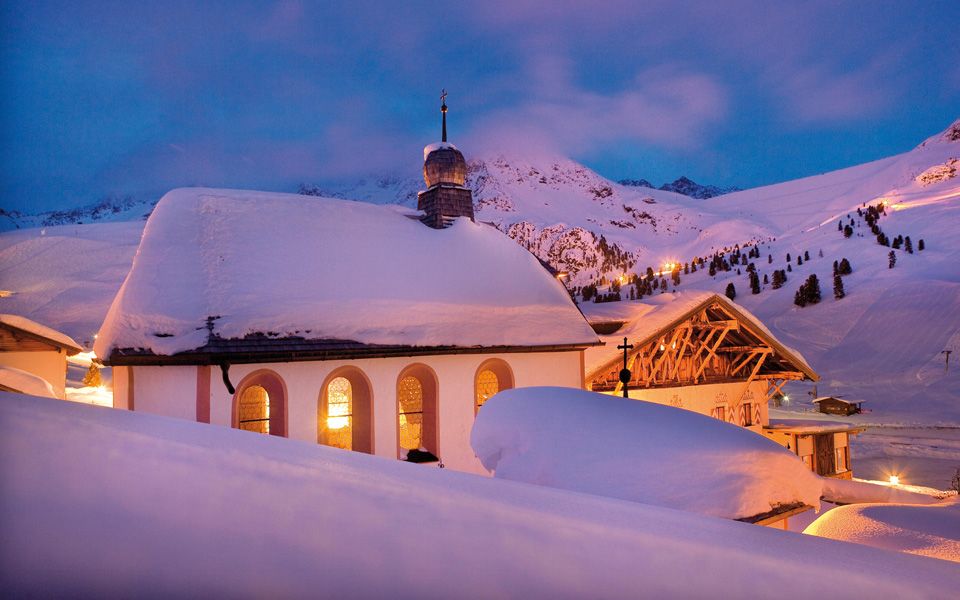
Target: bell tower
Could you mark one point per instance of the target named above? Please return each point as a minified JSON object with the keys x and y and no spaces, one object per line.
{"x":445,"y":173}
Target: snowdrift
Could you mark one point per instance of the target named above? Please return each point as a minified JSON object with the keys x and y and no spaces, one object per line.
{"x":638,"y":451}
{"x":107,"y":503}
{"x":932,"y":530}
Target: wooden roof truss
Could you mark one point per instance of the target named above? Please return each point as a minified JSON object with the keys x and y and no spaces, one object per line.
{"x":710,"y":345}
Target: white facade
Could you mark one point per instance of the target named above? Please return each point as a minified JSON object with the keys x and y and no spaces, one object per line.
{"x":188,"y":392}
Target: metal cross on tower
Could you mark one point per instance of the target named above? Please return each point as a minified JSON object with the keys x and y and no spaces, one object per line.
{"x":625,"y":372}
{"x":443,"y":109}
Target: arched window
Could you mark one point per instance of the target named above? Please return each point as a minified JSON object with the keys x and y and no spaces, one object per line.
{"x":340,"y":413}
{"x":410,"y":401}
{"x":254,"y":410}
{"x":260,"y":403}
{"x":417,"y":410}
{"x":493,"y":376}
{"x":345,"y":411}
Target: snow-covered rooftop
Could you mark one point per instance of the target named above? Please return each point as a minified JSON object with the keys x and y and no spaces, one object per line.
{"x":437,"y":146}
{"x":810,"y":426}
{"x":42,"y":331}
{"x":288,"y":265}
{"x":24,"y":382}
{"x":648,"y":318}
{"x":639,"y":451}
{"x":837,"y":398}
{"x":131,"y":504}
{"x":927,"y":530}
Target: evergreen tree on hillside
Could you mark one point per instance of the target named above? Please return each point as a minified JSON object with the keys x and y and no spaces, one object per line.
{"x":838,"y":292}
{"x":770,"y":257}
{"x":813,"y":290}
{"x":845,"y":268}
{"x":799,"y":260}
{"x":920,"y":246}
{"x":766,"y":279}
{"x":731,"y":291}
{"x":790,"y":268}
{"x":806,"y":255}
{"x":788,"y":257}
{"x":908,"y":245}
{"x":847,"y":231}
{"x":836,"y":267}
{"x":800,"y":298}
{"x":754,"y":283}
{"x":892,"y":258}
{"x":713,"y":269}
{"x":840,"y":226}
{"x":779,"y":278}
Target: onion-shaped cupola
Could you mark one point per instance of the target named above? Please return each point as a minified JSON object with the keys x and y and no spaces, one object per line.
{"x":445,"y":173}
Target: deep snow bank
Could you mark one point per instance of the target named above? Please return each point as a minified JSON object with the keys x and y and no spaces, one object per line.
{"x":108,"y":503}
{"x":639,"y":451}
{"x":932,"y":530}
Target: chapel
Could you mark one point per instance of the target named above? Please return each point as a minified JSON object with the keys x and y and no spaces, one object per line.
{"x":371,"y":328}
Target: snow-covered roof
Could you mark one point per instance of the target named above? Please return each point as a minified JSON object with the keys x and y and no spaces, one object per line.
{"x":437,"y":146}
{"x":41,"y":331}
{"x":927,"y":530}
{"x":644,"y":320}
{"x":285,"y":266}
{"x":810,"y":426}
{"x":168,"y":501}
{"x":18,"y":380}
{"x":838,"y":399}
{"x":639,"y":451}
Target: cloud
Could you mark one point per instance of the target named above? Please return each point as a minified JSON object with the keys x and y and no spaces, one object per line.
{"x":666,"y":105}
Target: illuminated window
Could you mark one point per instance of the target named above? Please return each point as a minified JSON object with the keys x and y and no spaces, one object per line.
{"x":340,"y":413}
{"x":488,"y":384}
{"x":410,"y":405}
{"x":254,"y":410}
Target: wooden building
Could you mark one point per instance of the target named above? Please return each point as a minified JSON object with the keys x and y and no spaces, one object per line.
{"x":836,"y":405}
{"x":694,"y":350}
{"x":824,"y":446}
{"x":33,"y":357}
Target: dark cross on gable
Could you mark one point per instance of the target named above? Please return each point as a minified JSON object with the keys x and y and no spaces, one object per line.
{"x":625,"y":372}
{"x":443,"y":109}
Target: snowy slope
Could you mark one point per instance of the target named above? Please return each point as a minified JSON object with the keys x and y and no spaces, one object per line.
{"x":108,"y":503}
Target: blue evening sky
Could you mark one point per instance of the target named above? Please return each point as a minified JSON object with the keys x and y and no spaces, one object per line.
{"x":138,"y":97}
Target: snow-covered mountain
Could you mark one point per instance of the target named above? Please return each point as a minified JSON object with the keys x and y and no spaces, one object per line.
{"x":109,"y":209}
{"x":883,"y":341}
{"x":685,"y":186}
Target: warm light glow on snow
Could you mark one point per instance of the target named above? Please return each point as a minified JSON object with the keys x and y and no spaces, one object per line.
{"x":99,"y":395}
{"x":82,"y":358}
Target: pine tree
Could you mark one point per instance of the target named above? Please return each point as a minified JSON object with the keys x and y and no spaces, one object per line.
{"x":788,"y":257}
{"x":790,"y":268}
{"x":770,"y":257}
{"x":754,"y":283}
{"x":840,"y":226}
{"x":778,"y":279}
{"x":731,"y":291}
{"x":845,"y":268}
{"x":836,"y":267}
{"x":713,"y":269}
{"x":892,"y":260}
{"x":847,"y":231}
{"x":821,"y":253}
{"x":766,"y":280}
{"x":813,"y":290}
{"x":806,"y":255}
{"x":920,"y":246}
{"x":799,"y":260}
{"x":908,"y":245}
{"x":92,"y":378}
{"x":800,"y":298}
{"x":838,"y":292}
